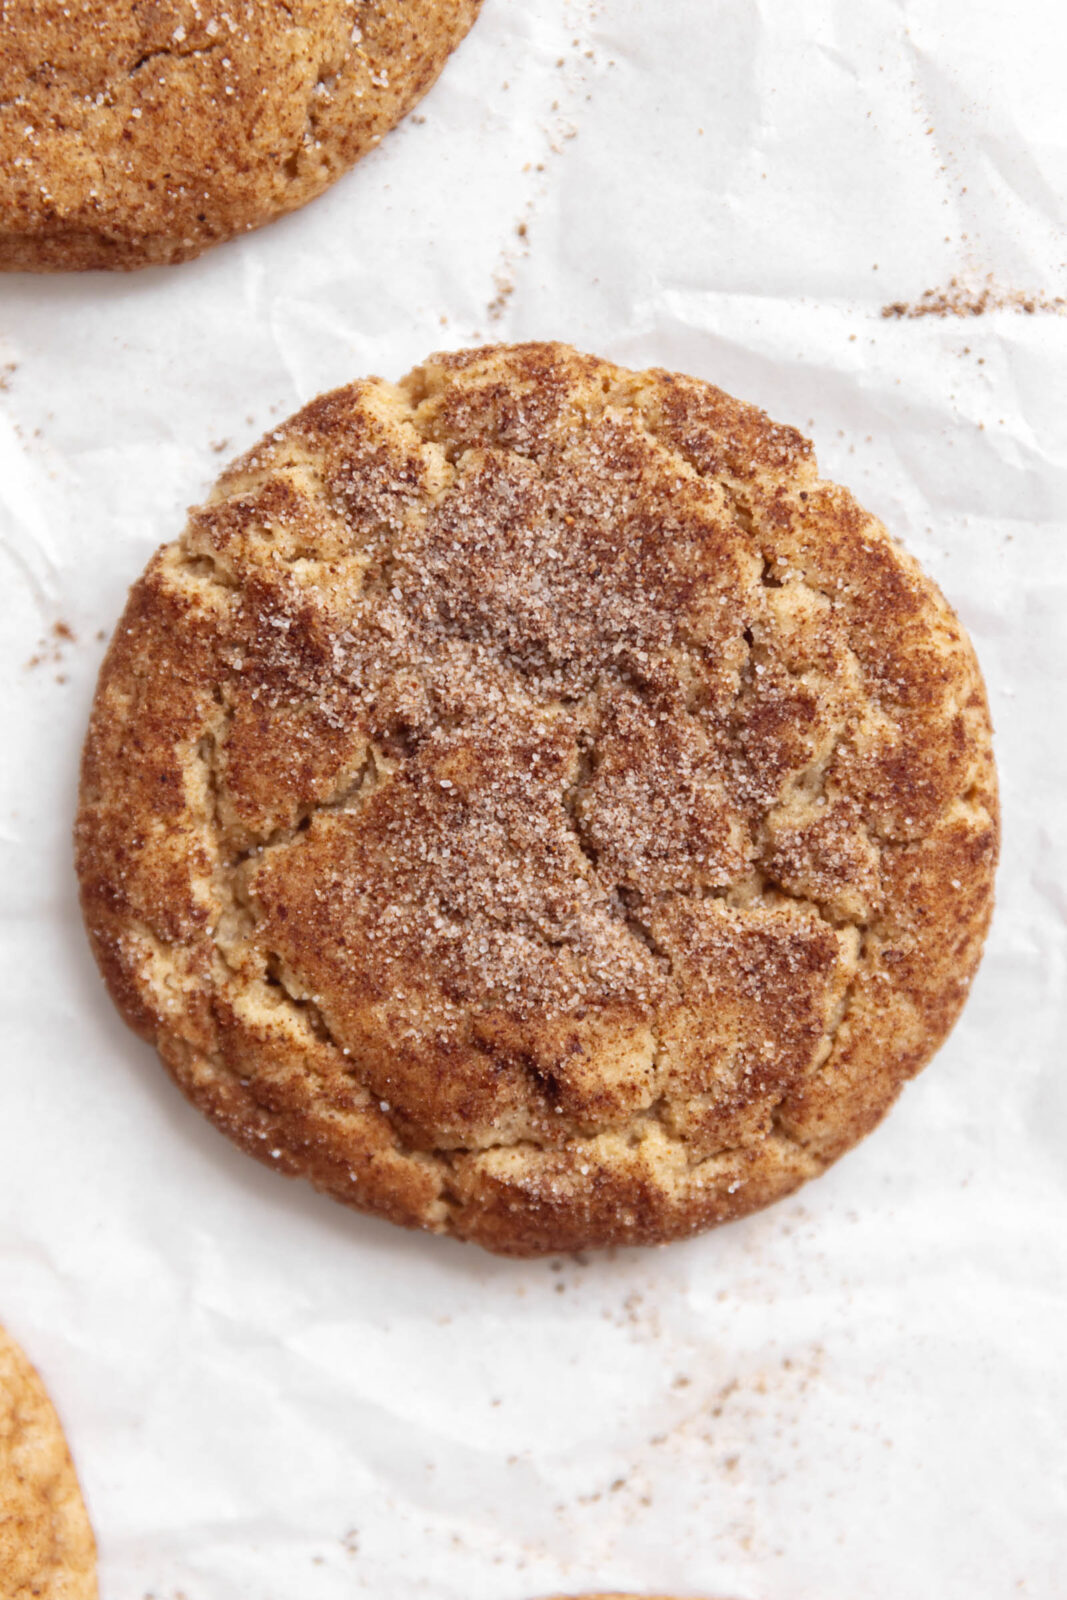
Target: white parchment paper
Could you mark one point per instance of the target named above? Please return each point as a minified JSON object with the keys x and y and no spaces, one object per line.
{"x":858,"y":1393}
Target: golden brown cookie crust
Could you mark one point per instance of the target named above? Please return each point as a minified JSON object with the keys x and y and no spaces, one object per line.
{"x":532,"y":805}
{"x":134,"y":135}
{"x":47,"y":1549}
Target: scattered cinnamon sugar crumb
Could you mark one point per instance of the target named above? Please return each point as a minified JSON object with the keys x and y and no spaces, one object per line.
{"x":505,"y":288}
{"x":966,"y":300}
{"x":50,"y":648}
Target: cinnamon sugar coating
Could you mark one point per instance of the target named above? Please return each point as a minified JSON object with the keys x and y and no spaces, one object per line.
{"x":531,"y":804}
{"x":47,"y":1548}
{"x":134,"y":135}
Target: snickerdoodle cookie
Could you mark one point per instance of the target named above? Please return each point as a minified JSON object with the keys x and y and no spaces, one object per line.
{"x":137,"y":134}
{"x":46,"y":1543}
{"x":532,"y":805}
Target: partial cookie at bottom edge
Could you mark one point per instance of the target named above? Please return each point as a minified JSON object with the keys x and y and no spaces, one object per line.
{"x":47,"y":1549}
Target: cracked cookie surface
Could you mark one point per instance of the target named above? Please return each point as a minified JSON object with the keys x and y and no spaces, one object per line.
{"x":531,"y":804}
{"x":137,"y":135}
{"x":46,"y":1544}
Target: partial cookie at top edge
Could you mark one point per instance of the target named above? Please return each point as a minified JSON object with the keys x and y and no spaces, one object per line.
{"x":136,"y":136}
